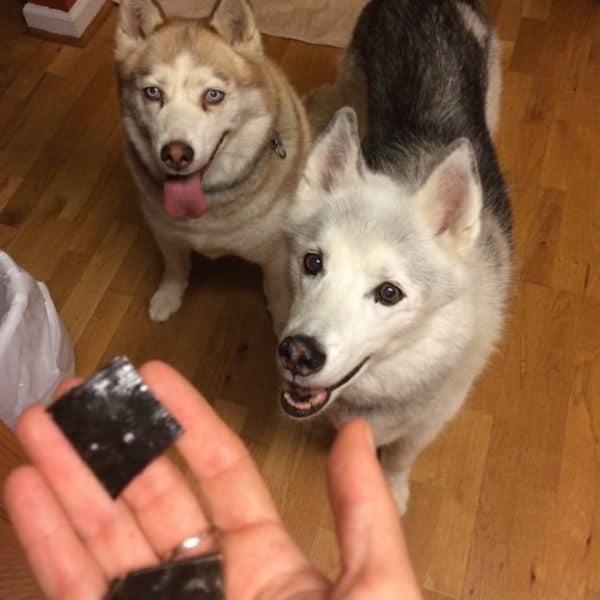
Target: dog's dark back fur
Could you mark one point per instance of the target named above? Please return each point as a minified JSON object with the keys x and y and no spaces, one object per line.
{"x":427,"y":80}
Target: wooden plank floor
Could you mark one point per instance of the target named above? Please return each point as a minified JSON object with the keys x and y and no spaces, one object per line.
{"x":506,"y":504}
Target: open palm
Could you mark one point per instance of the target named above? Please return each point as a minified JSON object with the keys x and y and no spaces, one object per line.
{"x":77,"y":538}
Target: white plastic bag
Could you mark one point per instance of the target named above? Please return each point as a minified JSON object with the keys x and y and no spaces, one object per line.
{"x":35,"y":349}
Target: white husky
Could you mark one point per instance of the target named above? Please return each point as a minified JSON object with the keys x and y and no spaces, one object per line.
{"x":401,"y":261}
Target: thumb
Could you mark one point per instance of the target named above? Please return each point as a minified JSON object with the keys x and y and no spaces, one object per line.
{"x":372,"y":547}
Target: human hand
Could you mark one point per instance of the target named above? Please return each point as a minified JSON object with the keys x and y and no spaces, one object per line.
{"x":77,"y":538}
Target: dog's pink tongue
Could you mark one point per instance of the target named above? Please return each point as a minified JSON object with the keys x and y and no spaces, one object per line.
{"x":184,"y":197}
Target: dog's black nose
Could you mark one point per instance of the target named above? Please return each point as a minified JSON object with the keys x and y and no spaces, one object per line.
{"x":177,"y":155}
{"x":301,"y":355}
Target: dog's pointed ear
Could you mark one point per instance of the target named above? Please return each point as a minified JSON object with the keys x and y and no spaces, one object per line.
{"x":452,"y":198}
{"x":336,"y":157}
{"x":234,"y":21}
{"x":137,"y":20}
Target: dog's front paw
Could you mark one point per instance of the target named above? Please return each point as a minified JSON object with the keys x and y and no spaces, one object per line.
{"x":165,"y":302}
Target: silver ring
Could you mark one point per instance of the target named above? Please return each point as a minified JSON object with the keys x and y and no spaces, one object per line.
{"x":189,"y":543}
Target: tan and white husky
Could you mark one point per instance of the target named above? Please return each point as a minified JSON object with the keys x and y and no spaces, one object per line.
{"x":217,"y":138}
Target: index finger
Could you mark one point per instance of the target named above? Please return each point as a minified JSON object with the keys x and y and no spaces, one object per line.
{"x":234,"y":490}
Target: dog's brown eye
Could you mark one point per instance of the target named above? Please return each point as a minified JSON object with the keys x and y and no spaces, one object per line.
{"x":313,"y":263}
{"x":212,"y":96}
{"x":388,"y":294}
{"x":153,"y":93}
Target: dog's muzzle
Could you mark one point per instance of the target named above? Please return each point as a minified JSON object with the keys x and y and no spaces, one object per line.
{"x":301,"y":402}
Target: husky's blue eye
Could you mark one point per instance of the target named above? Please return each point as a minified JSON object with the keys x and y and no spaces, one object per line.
{"x":388,"y":294}
{"x":313,"y":263}
{"x":153,"y":93}
{"x":212,"y":96}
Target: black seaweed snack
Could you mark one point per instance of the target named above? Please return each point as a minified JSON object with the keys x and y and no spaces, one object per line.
{"x":198,"y":578}
{"x":115,"y":424}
